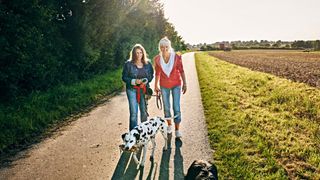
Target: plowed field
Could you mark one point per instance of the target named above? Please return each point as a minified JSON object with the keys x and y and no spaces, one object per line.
{"x":294,"y":65}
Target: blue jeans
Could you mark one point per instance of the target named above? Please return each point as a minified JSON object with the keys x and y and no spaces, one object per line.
{"x":133,"y":107}
{"x":176,"y":92}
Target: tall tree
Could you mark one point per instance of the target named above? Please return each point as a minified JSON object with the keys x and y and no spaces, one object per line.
{"x":47,"y":43}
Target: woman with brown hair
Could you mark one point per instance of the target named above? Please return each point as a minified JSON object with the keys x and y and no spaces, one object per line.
{"x":137,"y":74}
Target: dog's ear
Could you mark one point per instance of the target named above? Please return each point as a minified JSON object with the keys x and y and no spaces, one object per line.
{"x":136,"y":135}
{"x":162,"y":120}
{"x":123,"y":135}
{"x":137,"y":129}
{"x":194,"y":170}
{"x":214,"y":171}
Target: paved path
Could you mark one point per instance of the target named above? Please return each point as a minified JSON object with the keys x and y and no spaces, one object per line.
{"x":88,"y":147}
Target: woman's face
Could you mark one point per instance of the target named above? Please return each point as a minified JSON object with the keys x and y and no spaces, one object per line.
{"x":139,"y":54}
{"x":164,"y":49}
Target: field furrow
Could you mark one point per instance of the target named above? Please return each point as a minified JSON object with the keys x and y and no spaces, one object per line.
{"x":294,"y":65}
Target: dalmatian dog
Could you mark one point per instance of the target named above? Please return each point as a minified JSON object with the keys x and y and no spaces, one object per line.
{"x":140,"y":137}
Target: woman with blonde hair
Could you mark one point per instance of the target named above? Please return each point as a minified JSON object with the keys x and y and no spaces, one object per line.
{"x":137,"y":74}
{"x":169,"y":73}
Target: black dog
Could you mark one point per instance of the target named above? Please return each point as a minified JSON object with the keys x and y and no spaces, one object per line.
{"x":202,"y":170}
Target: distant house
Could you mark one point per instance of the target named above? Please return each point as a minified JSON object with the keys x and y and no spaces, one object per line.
{"x":225,"y":46}
{"x":222,"y":46}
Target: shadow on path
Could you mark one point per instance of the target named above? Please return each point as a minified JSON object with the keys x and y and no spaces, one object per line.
{"x":178,"y":160}
{"x":165,"y":159}
{"x":127,"y":168}
{"x":153,"y":169}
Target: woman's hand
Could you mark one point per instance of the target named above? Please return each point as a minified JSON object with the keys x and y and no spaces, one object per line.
{"x":144,"y":81}
{"x":184,"y":88}
{"x":138,"y":81}
{"x":156,"y":89}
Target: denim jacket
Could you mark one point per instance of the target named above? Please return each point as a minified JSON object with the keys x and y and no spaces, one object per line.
{"x":130,"y":72}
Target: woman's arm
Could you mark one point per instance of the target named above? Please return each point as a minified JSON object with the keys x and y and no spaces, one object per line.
{"x":184,"y":86}
{"x":150,"y":74}
{"x":125,"y":75}
{"x":156,"y":84}
{"x":157,"y":76}
{"x":182,"y":74}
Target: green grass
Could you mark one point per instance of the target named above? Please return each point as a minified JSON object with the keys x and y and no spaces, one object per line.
{"x":30,"y":116}
{"x":260,"y":126}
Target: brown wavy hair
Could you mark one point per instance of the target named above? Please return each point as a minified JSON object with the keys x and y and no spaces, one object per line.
{"x":133,"y":56}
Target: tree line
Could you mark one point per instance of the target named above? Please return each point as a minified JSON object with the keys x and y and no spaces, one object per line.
{"x":263,"y":44}
{"x":53,"y":42}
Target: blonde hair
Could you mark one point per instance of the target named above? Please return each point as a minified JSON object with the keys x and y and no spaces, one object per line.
{"x":133,"y":56}
{"x":165,"y":42}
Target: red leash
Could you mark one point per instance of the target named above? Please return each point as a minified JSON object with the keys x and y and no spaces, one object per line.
{"x":138,"y":88}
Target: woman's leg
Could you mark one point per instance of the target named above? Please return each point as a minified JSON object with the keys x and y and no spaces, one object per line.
{"x":165,"y":92}
{"x":133,"y":108}
{"x":143,"y":107}
{"x":176,"y":92}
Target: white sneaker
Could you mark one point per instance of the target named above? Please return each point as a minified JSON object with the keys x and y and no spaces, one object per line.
{"x":178,"y":134}
{"x":169,"y":130}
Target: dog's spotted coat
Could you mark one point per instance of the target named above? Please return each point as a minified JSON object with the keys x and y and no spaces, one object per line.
{"x":142,"y":134}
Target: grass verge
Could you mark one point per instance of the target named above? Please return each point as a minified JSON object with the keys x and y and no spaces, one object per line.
{"x":30,"y":116}
{"x":260,"y":126}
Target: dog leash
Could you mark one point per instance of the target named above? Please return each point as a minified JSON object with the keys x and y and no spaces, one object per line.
{"x":158,"y":101}
{"x":146,"y":105}
{"x":138,"y":95}
{"x":144,"y":89}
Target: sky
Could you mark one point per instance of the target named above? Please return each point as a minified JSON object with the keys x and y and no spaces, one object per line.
{"x":209,"y":21}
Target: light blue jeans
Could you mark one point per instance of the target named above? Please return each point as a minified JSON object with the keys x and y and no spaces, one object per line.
{"x":133,"y":107}
{"x":176,"y":92}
